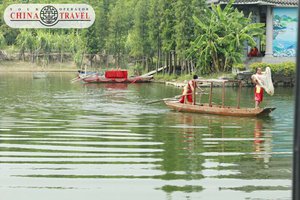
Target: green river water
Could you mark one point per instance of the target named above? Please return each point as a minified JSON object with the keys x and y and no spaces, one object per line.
{"x":101,"y":141}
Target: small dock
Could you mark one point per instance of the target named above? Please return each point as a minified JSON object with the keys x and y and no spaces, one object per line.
{"x":155,"y":71}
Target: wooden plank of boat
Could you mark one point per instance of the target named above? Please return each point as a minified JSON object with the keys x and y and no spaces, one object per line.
{"x":218,"y":110}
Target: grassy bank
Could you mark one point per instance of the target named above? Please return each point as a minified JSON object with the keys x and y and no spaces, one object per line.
{"x":21,"y":66}
{"x":178,"y":78}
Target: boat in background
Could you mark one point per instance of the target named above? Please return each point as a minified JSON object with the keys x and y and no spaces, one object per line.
{"x":113,"y":76}
{"x":209,"y":108}
{"x":39,"y":75}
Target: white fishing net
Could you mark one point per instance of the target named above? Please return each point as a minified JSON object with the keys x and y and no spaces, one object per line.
{"x":265,"y":81}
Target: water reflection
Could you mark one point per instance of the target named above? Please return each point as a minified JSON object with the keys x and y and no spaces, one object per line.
{"x":109,"y":86}
{"x":230,"y":148}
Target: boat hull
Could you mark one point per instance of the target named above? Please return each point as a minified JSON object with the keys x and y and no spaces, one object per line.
{"x":102,"y":79}
{"x":218,"y":110}
{"x":39,"y":75}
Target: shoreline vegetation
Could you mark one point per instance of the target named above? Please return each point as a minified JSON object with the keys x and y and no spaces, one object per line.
{"x":283,"y":74}
{"x":144,"y":35}
{"x":141,"y":36}
{"x":24,"y":66}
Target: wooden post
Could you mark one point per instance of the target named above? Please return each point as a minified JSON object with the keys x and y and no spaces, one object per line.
{"x":239,"y":95}
{"x":210,"y":94}
{"x":194,"y":93}
{"x":223,"y":95}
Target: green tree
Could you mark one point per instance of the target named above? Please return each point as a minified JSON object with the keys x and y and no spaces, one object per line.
{"x":2,"y":40}
{"x":154,"y":33}
{"x":60,"y":44}
{"x":26,"y":41}
{"x":168,"y":32}
{"x":77,"y":46}
{"x":138,"y":37}
{"x":92,"y":42}
{"x":103,"y":31}
{"x":120,"y":21}
{"x":184,"y":30}
{"x":44,"y":45}
{"x":222,"y":35}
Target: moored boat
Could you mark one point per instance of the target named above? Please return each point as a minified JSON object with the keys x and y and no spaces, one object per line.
{"x":115,"y":76}
{"x":39,"y":75}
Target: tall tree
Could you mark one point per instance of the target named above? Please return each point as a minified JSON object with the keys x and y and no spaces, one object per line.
{"x":222,"y":34}
{"x":154,"y":30}
{"x":92,"y":42}
{"x":183,"y":30}
{"x":103,"y":30}
{"x":138,"y":38}
{"x":26,"y":42}
{"x":120,"y":21}
{"x":168,"y":32}
{"x":2,"y":40}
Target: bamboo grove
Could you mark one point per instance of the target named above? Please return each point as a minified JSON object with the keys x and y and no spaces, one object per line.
{"x":184,"y":35}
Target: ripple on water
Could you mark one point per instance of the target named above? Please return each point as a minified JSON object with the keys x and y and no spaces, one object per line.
{"x":58,"y":139}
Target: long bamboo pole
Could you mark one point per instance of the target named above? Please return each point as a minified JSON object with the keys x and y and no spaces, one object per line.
{"x":239,"y":95}
{"x":194,"y":92}
{"x":223,"y":95}
{"x":210,"y":94}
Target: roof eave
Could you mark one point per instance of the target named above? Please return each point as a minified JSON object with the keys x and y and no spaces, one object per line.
{"x":260,"y":3}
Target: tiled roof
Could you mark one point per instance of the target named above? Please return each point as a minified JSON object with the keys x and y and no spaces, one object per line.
{"x":293,"y":3}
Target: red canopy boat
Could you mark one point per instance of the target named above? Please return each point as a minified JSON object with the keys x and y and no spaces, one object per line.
{"x":114,"y":76}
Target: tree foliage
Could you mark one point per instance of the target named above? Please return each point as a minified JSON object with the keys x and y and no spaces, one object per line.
{"x":223,"y":33}
{"x":183,"y":35}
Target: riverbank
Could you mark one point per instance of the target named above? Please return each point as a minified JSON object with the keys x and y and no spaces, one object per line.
{"x":180,"y":81}
{"x":21,"y":66}
{"x":279,"y":79}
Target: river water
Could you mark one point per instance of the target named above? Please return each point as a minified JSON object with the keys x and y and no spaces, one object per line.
{"x":101,"y":141}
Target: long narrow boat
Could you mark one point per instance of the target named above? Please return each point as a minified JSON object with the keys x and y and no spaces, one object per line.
{"x":39,"y":75}
{"x":209,"y":108}
{"x":114,"y":76}
{"x":102,"y":79}
{"x":218,"y":110}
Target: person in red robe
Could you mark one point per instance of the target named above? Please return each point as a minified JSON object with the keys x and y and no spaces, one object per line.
{"x":187,"y":94}
{"x":258,"y":91}
{"x":253,"y":52}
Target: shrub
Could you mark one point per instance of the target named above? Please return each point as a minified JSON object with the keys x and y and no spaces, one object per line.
{"x":165,"y":77}
{"x":286,"y":68}
{"x":135,"y":70}
{"x":239,"y":66}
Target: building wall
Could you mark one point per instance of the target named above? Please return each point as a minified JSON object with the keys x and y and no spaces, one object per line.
{"x":255,"y":15}
{"x":285,"y":32}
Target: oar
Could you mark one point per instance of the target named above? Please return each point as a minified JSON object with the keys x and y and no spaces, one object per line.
{"x":164,"y":99}
{"x":80,"y":78}
{"x":173,"y":98}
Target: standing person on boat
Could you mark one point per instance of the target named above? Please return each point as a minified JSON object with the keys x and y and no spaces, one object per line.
{"x":262,"y":81}
{"x":258,"y":90}
{"x":188,"y":91}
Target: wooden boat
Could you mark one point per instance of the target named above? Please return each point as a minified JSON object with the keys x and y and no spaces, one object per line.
{"x":218,"y":110}
{"x":39,"y":75}
{"x":209,"y":108}
{"x":102,"y":79}
{"x":114,"y":76}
